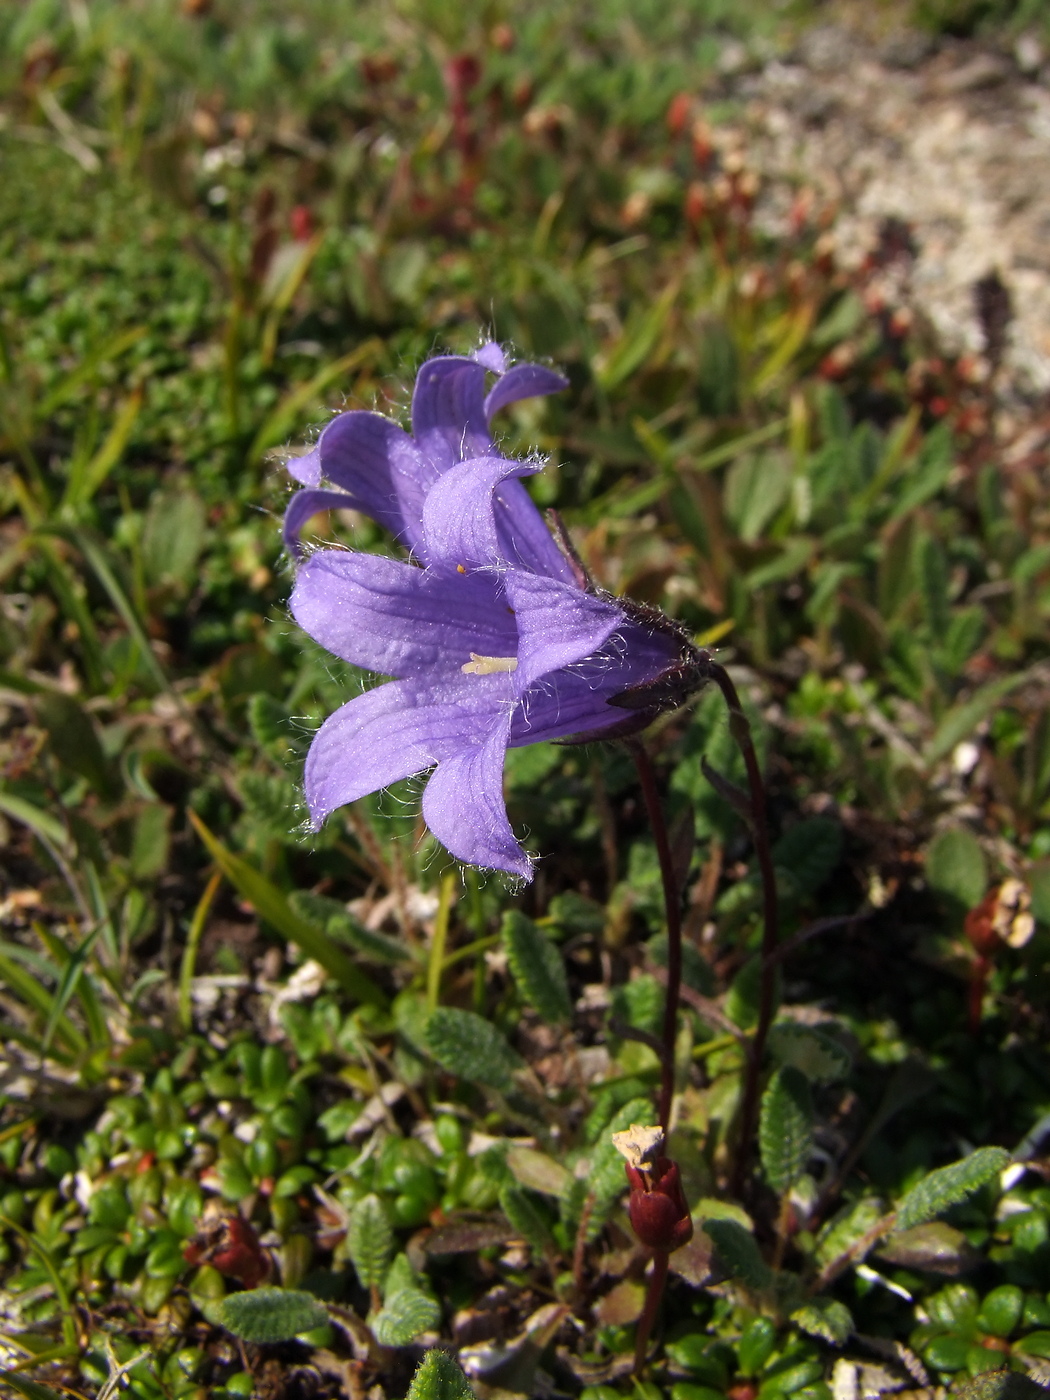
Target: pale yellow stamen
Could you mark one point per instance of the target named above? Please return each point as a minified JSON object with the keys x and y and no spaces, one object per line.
{"x":488,"y":665}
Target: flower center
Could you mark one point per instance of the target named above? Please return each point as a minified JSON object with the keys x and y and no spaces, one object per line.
{"x":488,"y":665}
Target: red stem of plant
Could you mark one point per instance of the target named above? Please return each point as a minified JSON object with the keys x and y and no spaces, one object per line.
{"x":652,"y":1302}
{"x":673,"y":909}
{"x":741,"y":731}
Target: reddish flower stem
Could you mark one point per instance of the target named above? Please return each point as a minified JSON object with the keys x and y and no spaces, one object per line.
{"x":673,"y":910}
{"x":741,"y":731}
{"x":654,"y":1293}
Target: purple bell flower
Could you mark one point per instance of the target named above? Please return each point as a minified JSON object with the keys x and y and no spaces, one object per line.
{"x":492,"y":637}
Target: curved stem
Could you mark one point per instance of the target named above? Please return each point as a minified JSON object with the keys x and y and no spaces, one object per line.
{"x":741,"y":731}
{"x":673,"y":909}
{"x":653,"y":1295}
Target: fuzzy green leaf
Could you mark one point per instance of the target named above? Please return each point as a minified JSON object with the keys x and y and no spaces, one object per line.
{"x":819,"y":1056}
{"x":739,"y":1253}
{"x":785,"y":1128}
{"x":469,"y":1046}
{"x":956,"y":867}
{"x":271,"y":1314}
{"x":439,"y":1378}
{"x":808,"y":852}
{"x":848,"y":1226}
{"x":406,"y":1313}
{"x":947,"y":1186}
{"x":825,"y":1318}
{"x":1000,"y":1385}
{"x":339,"y":923}
{"x":526,"y":1217}
{"x":370,"y":1241}
{"x":538,"y":970}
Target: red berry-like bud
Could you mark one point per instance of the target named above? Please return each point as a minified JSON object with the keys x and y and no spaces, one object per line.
{"x":657,"y":1207}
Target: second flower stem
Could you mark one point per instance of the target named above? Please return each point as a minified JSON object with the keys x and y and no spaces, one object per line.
{"x":673,"y":910}
{"x":759,"y":822}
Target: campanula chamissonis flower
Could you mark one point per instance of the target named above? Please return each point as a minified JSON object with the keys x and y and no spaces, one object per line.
{"x":492,"y":635}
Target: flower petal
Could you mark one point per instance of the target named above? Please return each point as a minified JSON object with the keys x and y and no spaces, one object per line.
{"x":523,"y":535}
{"x":523,"y":382}
{"x":576,"y":701}
{"x":306,"y":468}
{"x":491,"y":356}
{"x":392,"y":618}
{"x":394,"y":731}
{"x":378,"y":464}
{"x":305,"y":504}
{"x":459,"y":524}
{"x":558,"y":624}
{"x":464,"y":808}
{"x":448,"y":411}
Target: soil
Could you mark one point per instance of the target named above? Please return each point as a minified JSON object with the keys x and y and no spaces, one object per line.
{"x":948,"y":137}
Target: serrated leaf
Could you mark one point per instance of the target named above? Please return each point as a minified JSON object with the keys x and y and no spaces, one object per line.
{"x":339,"y":923}
{"x":469,"y":1046}
{"x":273,"y":805}
{"x":785,"y":1128}
{"x":370,"y":1240}
{"x":439,"y":1378}
{"x":956,"y":867}
{"x":739,"y":1253}
{"x":271,"y":1314}
{"x":848,"y":1226}
{"x":1000,"y":1385}
{"x":947,"y":1186}
{"x":525,"y":1215}
{"x":405,"y":1313}
{"x":825,"y":1318}
{"x":268,"y":720}
{"x":809,"y":852}
{"x":605,"y":1180}
{"x":537,"y":968}
{"x":819,"y":1056}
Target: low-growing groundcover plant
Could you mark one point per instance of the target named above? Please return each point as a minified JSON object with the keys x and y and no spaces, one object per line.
{"x":299,"y":1112}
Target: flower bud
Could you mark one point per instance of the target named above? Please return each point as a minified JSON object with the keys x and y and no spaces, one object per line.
{"x":657,"y":1207}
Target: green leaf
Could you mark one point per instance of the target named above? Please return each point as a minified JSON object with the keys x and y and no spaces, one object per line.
{"x":439,"y":1378}
{"x":785,"y":1128}
{"x":370,"y":1240}
{"x":847,"y":1227}
{"x":820,"y":1057}
{"x":739,"y":1253}
{"x":338,"y":922}
{"x":605,"y":1181}
{"x":537,"y":967}
{"x":963,"y":718}
{"x":932,"y":568}
{"x":956,"y":867}
{"x":74,"y":740}
{"x":42,"y":824}
{"x":469,"y":1046}
{"x":33,"y":1390}
{"x":270,"y":1314}
{"x":825,"y":1318}
{"x":809,"y":851}
{"x":525,"y":1216}
{"x":406,"y":1313}
{"x":947,"y":1186}
{"x":150,"y":841}
{"x":1000,"y":1385}
{"x":270,"y":904}
{"x":637,"y":342}
{"x":756,"y":486}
